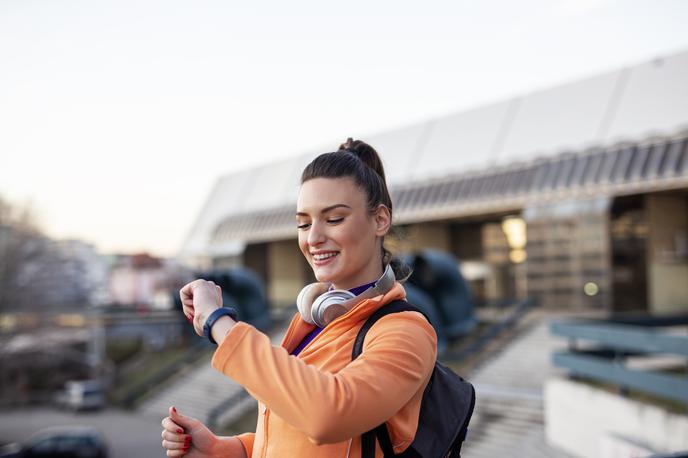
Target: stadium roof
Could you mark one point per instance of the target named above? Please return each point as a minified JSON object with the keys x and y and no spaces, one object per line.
{"x":615,"y":133}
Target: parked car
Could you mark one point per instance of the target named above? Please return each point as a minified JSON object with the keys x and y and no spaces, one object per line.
{"x":60,"y":442}
{"x":82,"y":395}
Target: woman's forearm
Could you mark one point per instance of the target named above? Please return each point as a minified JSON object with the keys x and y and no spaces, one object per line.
{"x":228,"y":447}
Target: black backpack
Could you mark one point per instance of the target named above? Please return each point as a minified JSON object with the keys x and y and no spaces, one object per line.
{"x":445,"y":410}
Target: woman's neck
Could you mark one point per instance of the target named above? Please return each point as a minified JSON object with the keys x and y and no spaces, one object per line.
{"x":371,"y":274}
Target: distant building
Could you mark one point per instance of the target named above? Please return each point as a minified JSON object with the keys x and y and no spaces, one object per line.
{"x":142,"y":280}
{"x":575,"y":195}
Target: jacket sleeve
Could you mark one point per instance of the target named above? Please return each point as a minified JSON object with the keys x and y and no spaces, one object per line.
{"x":398,"y":357}
{"x":246,"y":440}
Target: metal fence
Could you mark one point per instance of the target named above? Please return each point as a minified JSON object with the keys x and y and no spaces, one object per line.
{"x":601,"y":350}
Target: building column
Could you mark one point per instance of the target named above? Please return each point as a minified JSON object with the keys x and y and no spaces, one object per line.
{"x":667,"y":252}
{"x":285,"y":272}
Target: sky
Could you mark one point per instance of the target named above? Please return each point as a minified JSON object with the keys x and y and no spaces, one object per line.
{"x":118,"y":116}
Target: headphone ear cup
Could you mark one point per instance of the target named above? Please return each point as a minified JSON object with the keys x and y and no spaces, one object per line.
{"x":306,"y":298}
{"x":331,"y":305}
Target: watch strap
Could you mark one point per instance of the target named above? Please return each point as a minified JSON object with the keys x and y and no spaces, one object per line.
{"x":216,"y":315}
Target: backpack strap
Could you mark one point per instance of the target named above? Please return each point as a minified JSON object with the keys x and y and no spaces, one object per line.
{"x":393,"y":307}
{"x":381,"y":432}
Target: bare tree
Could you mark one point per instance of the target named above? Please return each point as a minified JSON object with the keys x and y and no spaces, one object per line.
{"x":32,"y":268}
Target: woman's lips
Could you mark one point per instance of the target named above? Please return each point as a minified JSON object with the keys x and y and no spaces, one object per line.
{"x":325,"y":261}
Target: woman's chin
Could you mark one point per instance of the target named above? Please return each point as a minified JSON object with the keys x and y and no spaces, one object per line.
{"x":326,"y":274}
{"x":324,"y":277}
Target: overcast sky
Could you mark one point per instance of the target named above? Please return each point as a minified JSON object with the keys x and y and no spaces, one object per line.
{"x":117,"y":117}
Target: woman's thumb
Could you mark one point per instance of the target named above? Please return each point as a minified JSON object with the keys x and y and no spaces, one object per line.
{"x":181,"y":420}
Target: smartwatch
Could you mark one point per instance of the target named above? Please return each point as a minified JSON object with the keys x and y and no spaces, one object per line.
{"x":222,"y":311}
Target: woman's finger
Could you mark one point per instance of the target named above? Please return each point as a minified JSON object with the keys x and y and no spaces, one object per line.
{"x":172,"y":437}
{"x":169,"y":445}
{"x":186,"y":293}
{"x":219,"y":294}
{"x":171,"y":426}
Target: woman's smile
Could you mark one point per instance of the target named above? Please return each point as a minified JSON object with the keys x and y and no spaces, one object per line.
{"x":322,"y":258}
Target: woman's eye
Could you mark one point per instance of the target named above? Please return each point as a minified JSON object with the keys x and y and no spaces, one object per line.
{"x":335,"y":220}
{"x":303,"y":226}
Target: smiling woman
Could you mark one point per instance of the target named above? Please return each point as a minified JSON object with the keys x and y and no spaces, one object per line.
{"x":313,"y":399}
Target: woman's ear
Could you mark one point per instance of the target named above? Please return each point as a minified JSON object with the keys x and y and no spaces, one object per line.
{"x":383,"y":220}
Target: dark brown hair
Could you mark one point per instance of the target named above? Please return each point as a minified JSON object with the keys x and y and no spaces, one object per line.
{"x":360,"y":162}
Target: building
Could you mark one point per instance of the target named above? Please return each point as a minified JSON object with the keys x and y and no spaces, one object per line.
{"x":145,"y":281}
{"x":575,"y":195}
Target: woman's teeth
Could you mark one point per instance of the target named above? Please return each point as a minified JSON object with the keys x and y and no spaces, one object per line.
{"x":320,"y":257}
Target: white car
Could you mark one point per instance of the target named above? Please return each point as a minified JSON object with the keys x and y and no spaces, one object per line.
{"x":83,"y":395}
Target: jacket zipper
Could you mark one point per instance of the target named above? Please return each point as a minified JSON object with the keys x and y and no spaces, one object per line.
{"x":266,"y":414}
{"x":266,"y":411}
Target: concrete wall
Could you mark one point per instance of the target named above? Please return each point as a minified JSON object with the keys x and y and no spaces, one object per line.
{"x":667,"y":216}
{"x":285,"y":271}
{"x":589,"y":422}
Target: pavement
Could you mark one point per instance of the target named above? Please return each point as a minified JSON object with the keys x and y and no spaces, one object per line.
{"x":128,"y":435}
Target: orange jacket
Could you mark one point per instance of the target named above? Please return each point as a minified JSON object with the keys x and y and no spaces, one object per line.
{"x":318,"y":404}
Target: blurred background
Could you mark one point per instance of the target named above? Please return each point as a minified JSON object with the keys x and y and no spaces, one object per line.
{"x":537,"y":155}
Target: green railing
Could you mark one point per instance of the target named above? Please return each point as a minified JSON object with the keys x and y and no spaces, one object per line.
{"x":599,"y":350}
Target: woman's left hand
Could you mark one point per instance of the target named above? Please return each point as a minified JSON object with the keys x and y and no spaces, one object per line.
{"x":200,"y":298}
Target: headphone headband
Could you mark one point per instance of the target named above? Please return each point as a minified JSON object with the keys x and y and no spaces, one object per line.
{"x":382,"y":285}
{"x":329,"y":305}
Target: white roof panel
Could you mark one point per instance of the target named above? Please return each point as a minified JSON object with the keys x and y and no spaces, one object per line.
{"x":654,"y":101}
{"x":274,"y":184}
{"x":399,"y":150}
{"x":223,"y":200}
{"x":564,"y":118}
{"x":461,"y":142}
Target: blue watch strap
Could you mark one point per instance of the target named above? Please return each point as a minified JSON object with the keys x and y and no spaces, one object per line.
{"x":222,"y":311}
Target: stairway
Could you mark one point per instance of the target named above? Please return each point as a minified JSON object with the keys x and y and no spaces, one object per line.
{"x":508,"y":420}
{"x":200,"y":389}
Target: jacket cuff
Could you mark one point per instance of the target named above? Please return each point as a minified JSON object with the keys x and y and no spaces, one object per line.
{"x":246,"y":440}
{"x":229,"y":345}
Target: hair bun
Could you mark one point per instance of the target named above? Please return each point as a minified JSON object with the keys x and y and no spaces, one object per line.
{"x":365,"y":153}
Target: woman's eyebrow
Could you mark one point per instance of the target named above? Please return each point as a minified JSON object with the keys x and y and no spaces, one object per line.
{"x":326,"y":209}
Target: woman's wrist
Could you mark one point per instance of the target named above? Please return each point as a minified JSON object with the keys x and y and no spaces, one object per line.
{"x":221,"y":327}
{"x":205,"y":314}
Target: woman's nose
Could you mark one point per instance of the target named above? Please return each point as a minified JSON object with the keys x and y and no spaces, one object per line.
{"x":315,"y":235}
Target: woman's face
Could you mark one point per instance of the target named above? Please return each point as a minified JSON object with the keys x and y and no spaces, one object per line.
{"x":338,"y":236}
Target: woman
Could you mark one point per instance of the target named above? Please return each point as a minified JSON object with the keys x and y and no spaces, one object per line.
{"x":313,"y":400}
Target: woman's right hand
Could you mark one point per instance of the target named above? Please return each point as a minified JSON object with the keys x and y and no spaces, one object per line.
{"x":187,"y":436}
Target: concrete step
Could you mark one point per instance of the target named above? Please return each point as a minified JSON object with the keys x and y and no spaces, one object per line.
{"x":200,"y":390}
{"x":509,"y":420}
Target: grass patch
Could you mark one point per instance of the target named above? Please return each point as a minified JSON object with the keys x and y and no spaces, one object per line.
{"x":133,"y":385}
{"x":121,"y":351}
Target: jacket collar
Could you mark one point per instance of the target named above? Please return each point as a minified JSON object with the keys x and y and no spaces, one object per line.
{"x":359,"y":313}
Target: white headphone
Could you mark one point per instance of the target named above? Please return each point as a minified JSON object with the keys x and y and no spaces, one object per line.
{"x":319,"y":306}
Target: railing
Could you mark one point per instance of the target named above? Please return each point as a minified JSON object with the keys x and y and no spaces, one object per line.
{"x":614,"y":341}
{"x":492,"y":332}
{"x":224,"y":406}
